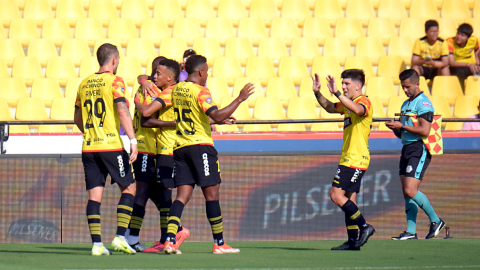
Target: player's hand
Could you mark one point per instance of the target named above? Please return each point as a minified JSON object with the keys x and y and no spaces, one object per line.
{"x":246,"y":91}
{"x":133,"y":153}
{"x":147,"y":87}
{"x":393,"y":125}
{"x":332,"y":87}
{"x":316,"y":83}
{"x":213,"y":128}
{"x":230,"y":120}
{"x":137,"y":98}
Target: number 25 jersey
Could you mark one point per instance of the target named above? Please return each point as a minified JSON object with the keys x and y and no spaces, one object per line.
{"x":96,"y":97}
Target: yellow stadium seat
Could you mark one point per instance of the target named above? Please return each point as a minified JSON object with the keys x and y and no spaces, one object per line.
{"x":75,"y":49}
{"x":382,"y":88}
{"x":253,"y":28}
{"x":331,"y":10}
{"x":326,"y":115}
{"x":169,"y":10}
{"x":475,"y":23}
{"x":218,"y":88}
{"x":391,"y":66}
{"x":305,"y":90}
{"x":137,"y":10}
{"x":60,"y":68}
{"x":350,"y":29}
{"x":412,"y":27}
{"x":201,"y":10}
{"x":455,"y":9}
{"x":155,"y":29}
{"x":24,"y":30}
{"x":209,"y":48}
{"x":272,"y":47}
{"x":317,"y":28}
{"x":88,"y":66}
{"x":122,"y":29}
{"x":188,"y":29}
{"x":5,"y":114}
{"x":293,"y":67}
{"x":27,"y":69}
{"x":264,"y":10}
{"x":48,"y":129}
{"x":38,"y":10}
{"x":257,"y":127}
{"x":102,"y":10}
{"x":476,"y":9}
{"x":31,"y":109}
{"x":241,"y":82}
{"x":338,"y":47}
{"x":239,"y":47}
{"x":173,"y":48}
{"x":53,"y":3}
{"x":216,"y":3}
{"x":72,"y":87}
{"x":471,"y":3}
{"x":297,"y":10}
{"x":129,"y":69}
{"x":85,"y":4}
{"x":220,"y":29}
{"x":47,"y":89}
{"x":321,"y":127}
{"x":10,"y":49}
{"x":260,"y":67}
{"x":89,"y":29}
{"x":268,"y":108}
{"x":297,"y":127}
{"x":378,"y":111}
{"x":440,"y":105}
{"x":326,"y":65}
{"x":242,"y":112}
{"x":423,"y":9}
{"x":141,"y":48}
{"x":394,"y":106}
{"x":12,"y":89}
{"x":447,"y":27}
{"x":401,"y":46}
{"x":226,"y":128}
{"x":3,"y":35}
{"x":70,"y":10}
{"x":453,"y":126}
{"x":100,"y":42}
{"x":233,"y":10}
{"x":281,"y":88}
{"x":472,"y":87}
{"x":361,"y":10}
{"x":19,"y":129}
{"x":370,"y":47}
{"x":423,"y":87}
{"x":306,"y":48}
{"x":382,"y":28}
{"x":8,"y":12}
{"x":466,"y":106}
{"x":117,"y":3}
{"x":393,"y":9}
{"x":56,"y":30}
{"x":447,"y":87}
{"x":302,"y":108}
{"x":227,"y":67}
{"x":4,"y":72}
{"x":360,"y":62}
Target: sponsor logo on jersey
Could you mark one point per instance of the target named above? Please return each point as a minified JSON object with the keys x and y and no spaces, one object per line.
{"x":428,"y":104}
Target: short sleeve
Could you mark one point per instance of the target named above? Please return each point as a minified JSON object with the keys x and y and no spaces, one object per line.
{"x":450,"y":45}
{"x":340,"y":108}
{"x":78,"y":101}
{"x":476,"y":44}
{"x":445,"y":51}
{"x":424,"y":106}
{"x":166,"y":97}
{"x":205,"y":100}
{"x":118,"y":89}
{"x":367,"y":105}
{"x":416,"y":48}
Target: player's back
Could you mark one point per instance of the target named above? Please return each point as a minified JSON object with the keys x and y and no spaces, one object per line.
{"x":146,"y":137}
{"x":166,"y":135}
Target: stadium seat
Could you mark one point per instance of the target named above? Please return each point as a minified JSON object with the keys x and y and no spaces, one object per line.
{"x":209,"y":48}
{"x":326,"y":115}
{"x":349,"y":28}
{"x":188,"y":29}
{"x":57,"y":30}
{"x":423,"y":87}
{"x":317,"y":28}
{"x":137,"y":10}
{"x":476,"y":9}
{"x":117,"y":3}
{"x":293,"y":67}
{"x":142,"y":48}
{"x":331,"y":10}
{"x":423,"y":9}
{"x":394,"y":106}
{"x":339,"y":48}
{"x":239,"y":47}
{"x":378,"y":111}
{"x":38,"y":10}
{"x":5,"y":114}
{"x":413,"y":28}
{"x":201,"y":10}
{"x":440,"y":105}
{"x":453,"y":126}
{"x":393,"y":9}
{"x":297,"y":127}
{"x":302,"y":108}
{"x":475,"y":23}
{"x":281,"y":88}
{"x":122,"y":29}
{"x":472,"y":87}
{"x":402,"y":46}
{"x":70,"y":10}
{"x":297,"y":10}
{"x":227,"y":67}
{"x":306,"y":48}
{"x":391,"y":66}
{"x":89,"y":29}
{"x":380,"y":87}
{"x":47,"y":89}
{"x":455,"y":9}
{"x":88,"y":66}
{"x":3,"y":35}
{"x":129,"y":68}
{"x":465,"y":106}
{"x":24,"y":30}
{"x":253,"y":28}
{"x":361,"y":10}
{"x":268,"y":108}
{"x":100,"y":42}
{"x":370,"y":47}
{"x":233,"y":10}
{"x":53,"y":4}
{"x":48,"y":129}
{"x":220,"y":29}
{"x":4,"y":72}
{"x":264,"y":10}
{"x":305,"y":90}
{"x":447,"y":27}
{"x":218,"y":88}
{"x":257,"y":127}
{"x":19,"y":129}
{"x":71,"y":88}
{"x":326,"y":65}
{"x":241,"y":82}
{"x":216,"y":3}
{"x":322,"y":127}
{"x":173,"y":48}
{"x":60,"y":68}
{"x":85,"y":4}
{"x":447,"y":87}
{"x":382,"y":28}
{"x":242,"y":112}
{"x":75,"y":49}
{"x":31,"y":109}
{"x":27,"y":68}
{"x":10,"y":49}
{"x":272,"y":47}
{"x":260,"y":67}
{"x":12,"y":89}
{"x":8,"y":12}
{"x":169,"y":10}
{"x":102,"y":10}
{"x":360,"y":62}
{"x":154,"y":29}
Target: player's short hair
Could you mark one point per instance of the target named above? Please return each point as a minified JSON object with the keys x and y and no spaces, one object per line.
{"x":429,"y":24}
{"x":188,"y":52}
{"x":105,"y":52}
{"x":409,"y":74}
{"x":155,"y":63}
{"x":355,"y":75}
{"x":193,"y":62}
{"x":466,"y":29}
{"x":172,"y":65}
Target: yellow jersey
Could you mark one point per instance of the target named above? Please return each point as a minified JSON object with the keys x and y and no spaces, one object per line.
{"x":424,"y":50}
{"x":146,"y":137}
{"x":166,"y":135}
{"x":96,"y":97}
{"x":465,"y":54}
{"x":356,"y":129}
{"x":192,"y":103}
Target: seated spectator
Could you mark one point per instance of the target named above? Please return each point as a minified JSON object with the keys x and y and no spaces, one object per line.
{"x":464,"y":53}
{"x":472,"y":125}
{"x":430,"y":53}
{"x":183,"y":73}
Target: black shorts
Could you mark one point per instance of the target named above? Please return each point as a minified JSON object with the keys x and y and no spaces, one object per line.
{"x":414,"y":160}
{"x":429,"y":72}
{"x":98,"y":165}
{"x":348,"y":179}
{"x":165,"y":171}
{"x":144,"y":168}
{"x":196,"y":164}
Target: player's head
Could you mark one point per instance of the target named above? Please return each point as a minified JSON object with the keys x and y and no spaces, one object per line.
{"x":197,"y":68}
{"x":187,"y":54}
{"x":155,"y":64}
{"x":431,"y":29}
{"x":464,"y":32}
{"x":107,"y":54}
{"x":410,"y":82}
{"x":352,"y":82}
{"x":167,"y":73}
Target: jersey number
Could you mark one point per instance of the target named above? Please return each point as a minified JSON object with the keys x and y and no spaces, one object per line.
{"x":182,"y":117}
{"x":98,"y":108}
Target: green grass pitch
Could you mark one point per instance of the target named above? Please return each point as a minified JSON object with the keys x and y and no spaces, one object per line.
{"x":376,"y":254}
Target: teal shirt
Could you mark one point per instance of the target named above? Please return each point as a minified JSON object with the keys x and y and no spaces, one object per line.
{"x":419,"y":105}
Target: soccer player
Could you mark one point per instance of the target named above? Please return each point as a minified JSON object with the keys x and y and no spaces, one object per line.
{"x":357,"y":111}
{"x":430,"y":53}
{"x":100,"y":108}
{"x":196,"y":161}
{"x":415,"y":157}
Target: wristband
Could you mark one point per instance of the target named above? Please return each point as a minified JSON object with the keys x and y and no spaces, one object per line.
{"x":142,"y":81}
{"x":317,"y":94}
{"x":337,"y":94}
{"x":133,"y":141}
{"x":403,"y":127}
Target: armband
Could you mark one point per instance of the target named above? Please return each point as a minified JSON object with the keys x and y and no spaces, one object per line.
{"x":337,"y":94}
{"x":317,"y":94}
{"x":133,"y":141}
{"x":142,"y":81}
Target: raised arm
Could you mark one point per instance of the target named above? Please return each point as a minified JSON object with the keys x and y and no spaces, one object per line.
{"x":348,"y":103}
{"x":220,"y":115}
{"x":325,"y":103}
{"x":150,"y":109}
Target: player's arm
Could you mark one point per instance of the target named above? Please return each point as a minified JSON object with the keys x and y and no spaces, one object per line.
{"x":77,"y":118}
{"x":147,"y":86}
{"x":325,"y":103}
{"x":219,"y":116}
{"x":150,"y":109}
{"x":354,"y":107}
{"x":126,"y":122}
{"x":423,"y":128}
{"x":416,"y":61}
{"x":150,"y":122}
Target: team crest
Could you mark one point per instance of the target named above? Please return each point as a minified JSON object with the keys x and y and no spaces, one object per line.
{"x":209,"y":100}
{"x":409,"y":169}
{"x":123,"y":90}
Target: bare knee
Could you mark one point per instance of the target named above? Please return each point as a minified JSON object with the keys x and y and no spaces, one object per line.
{"x":337,"y":197}
{"x":409,"y":192}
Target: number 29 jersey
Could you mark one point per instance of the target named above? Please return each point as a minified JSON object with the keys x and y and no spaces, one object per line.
{"x":191,"y":104}
{"x":96,"y":97}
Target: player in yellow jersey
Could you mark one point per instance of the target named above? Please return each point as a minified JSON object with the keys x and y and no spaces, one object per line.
{"x":100,"y":108}
{"x":196,"y":161}
{"x":357,"y":111}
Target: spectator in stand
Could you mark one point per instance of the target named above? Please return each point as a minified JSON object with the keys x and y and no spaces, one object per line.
{"x":183,"y":73}
{"x":472,"y":125}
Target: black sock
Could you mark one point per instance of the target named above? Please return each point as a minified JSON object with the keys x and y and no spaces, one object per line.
{"x":352,"y":212}
{"x":93,"y":218}
{"x":165,"y":206}
{"x":214,"y":216}
{"x":174,"y":220}
{"x":352,"y":229}
{"x":124,"y":212}
{"x":136,"y":221}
